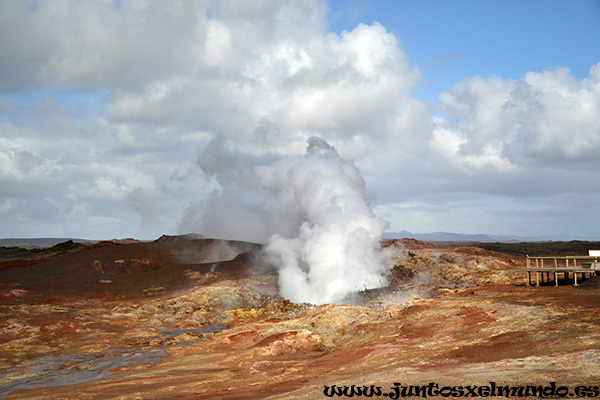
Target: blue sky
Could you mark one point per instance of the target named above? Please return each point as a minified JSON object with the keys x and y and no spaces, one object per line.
{"x":453,"y":40}
{"x":138,"y":119}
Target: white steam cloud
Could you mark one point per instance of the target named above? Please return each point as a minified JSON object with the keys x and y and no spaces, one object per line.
{"x":336,"y":249}
{"x":324,"y":237}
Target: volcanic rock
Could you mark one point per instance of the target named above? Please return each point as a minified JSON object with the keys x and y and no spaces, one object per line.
{"x":202,"y":319}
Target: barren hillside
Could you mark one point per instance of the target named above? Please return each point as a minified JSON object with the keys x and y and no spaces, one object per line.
{"x":194,"y":318}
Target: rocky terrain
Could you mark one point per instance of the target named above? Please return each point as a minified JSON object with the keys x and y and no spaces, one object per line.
{"x":193,"y":318}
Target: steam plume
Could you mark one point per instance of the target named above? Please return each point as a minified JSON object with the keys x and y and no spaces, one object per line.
{"x":332,"y":245}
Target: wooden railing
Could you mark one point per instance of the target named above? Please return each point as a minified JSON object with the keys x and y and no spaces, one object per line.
{"x":566,"y":264}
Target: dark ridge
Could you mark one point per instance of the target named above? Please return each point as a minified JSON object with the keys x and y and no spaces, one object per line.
{"x":130,"y":269}
{"x":571,"y":248}
{"x":19,"y":253}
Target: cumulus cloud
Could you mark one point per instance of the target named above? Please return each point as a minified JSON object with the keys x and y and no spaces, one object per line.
{"x":505,"y":152}
{"x":22,"y":165}
{"x":96,"y":44}
{"x":527,"y":122}
{"x":263,"y":76}
{"x":276,"y":87}
{"x":114,"y":112}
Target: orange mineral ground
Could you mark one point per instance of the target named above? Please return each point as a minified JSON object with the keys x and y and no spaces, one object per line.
{"x":185,"y":317}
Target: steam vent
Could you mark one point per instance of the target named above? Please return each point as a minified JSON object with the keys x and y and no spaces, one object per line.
{"x":299,"y":199}
{"x":199,"y":318}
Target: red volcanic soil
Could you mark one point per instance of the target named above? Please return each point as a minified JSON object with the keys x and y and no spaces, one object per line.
{"x":21,"y":263}
{"x":130,"y":268}
{"x":190,"y":318}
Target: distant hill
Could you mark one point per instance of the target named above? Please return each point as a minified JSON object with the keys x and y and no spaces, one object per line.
{"x":480,"y":237}
{"x":32,"y":243}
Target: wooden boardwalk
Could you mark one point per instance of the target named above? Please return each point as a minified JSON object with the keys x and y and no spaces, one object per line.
{"x":577,"y":266}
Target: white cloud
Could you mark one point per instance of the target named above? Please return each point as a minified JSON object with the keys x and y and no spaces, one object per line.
{"x":270,"y":94}
{"x":450,"y":143}
{"x":545,"y":115}
{"x":258,"y":77}
{"x":95,"y":43}
{"x":21,"y":164}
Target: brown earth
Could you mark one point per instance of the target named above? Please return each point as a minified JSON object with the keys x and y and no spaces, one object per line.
{"x":190,"y":318}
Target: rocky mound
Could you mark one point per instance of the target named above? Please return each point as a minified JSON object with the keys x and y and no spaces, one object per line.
{"x":408,"y":244}
{"x":131,"y":268}
{"x":590,"y":284}
{"x":432,"y":270}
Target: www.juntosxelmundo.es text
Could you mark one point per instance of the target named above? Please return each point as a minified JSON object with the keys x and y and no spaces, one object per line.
{"x":398,"y":390}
